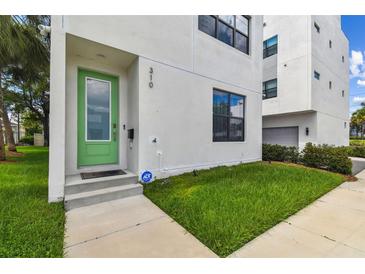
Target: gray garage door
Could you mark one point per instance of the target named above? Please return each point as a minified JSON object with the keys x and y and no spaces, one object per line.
{"x":286,"y":136}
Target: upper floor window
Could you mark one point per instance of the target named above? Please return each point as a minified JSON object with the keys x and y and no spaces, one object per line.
{"x":343,"y":93}
{"x":317,"y":27}
{"x":269,"y":89}
{"x":270,"y":46}
{"x":228,"y":116}
{"x":330,"y":84}
{"x":343,"y":59}
{"x":317,"y":75}
{"x":330,"y":44}
{"x":230,"y":29}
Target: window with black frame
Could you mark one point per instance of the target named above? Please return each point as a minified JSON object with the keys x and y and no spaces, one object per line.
{"x":270,"y":46}
{"x":228,"y":116}
{"x":230,"y":29}
{"x":269,"y":89}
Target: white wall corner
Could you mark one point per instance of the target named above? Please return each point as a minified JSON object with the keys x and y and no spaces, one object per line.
{"x":56,"y":177}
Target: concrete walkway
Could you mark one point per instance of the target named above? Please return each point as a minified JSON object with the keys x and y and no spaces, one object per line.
{"x":333,"y":226}
{"x":130,"y":227}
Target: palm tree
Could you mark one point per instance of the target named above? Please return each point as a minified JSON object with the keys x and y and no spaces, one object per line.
{"x":20,"y":47}
{"x":9,"y":42}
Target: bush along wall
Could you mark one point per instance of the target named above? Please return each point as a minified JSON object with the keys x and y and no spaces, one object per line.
{"x":318,"y":156}
{"x":280,"y":153}
{"x":356,"y":151}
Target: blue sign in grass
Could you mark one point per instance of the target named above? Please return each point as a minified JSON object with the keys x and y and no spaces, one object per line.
{"x":146,"y":176}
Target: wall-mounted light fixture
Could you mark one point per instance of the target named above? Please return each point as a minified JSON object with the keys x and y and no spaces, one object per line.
{"x":307,"y":131}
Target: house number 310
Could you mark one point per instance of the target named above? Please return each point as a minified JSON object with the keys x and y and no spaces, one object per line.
{"x":151,"y":83}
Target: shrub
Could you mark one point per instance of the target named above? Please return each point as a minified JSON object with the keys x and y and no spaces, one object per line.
{"x":280,"y":153}
{"x":29,"y":140}
{"x":356,"y":151}
{"x":327,"y":157}
{"x":318,"y":156}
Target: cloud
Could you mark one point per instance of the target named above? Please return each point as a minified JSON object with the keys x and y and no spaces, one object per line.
{"x":354,"y":108}
{"x":361,"y":82}
{"x":358,"y":99}
{"x":357,"y":65}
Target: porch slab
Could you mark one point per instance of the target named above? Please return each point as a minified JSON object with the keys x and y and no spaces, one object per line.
{"x":128,"y":228}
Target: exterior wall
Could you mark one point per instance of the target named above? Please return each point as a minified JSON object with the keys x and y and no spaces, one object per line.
{"x":332,"y":130}
{"x":216,"y":60}
{"x":133,"y":115}
{"x":57,"y":143}
{"x":292,"y":64}
{"x":301,"y":50}
{"x":176,"y":41}
{"x":177,"y":111}
{"x":302,"y":120}
{"x":168,"y":39}
{"x":328,"y":62}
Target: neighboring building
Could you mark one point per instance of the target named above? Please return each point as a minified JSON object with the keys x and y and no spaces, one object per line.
{"x":18,"y":132}
{"x":17,"y":135}
{"x":168,"y":94}
{"x":305,"y":81}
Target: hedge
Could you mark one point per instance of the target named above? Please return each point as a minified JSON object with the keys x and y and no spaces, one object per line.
{"x":327,"y":157}
{"x":319,"y":156}
{"x":279,"y":153}
{"x":356,"y":151}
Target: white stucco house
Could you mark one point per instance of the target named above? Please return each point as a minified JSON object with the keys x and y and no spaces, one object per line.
{"x":305,"y":81}
{"x":165,"y":94}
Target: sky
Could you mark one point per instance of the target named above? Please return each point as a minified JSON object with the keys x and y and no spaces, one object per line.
{"x":354,"y":29}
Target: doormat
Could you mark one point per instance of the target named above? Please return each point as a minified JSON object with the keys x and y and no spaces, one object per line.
{"x":91,"y":175}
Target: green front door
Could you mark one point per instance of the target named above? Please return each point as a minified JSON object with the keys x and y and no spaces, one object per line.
{"x":97,"y":126}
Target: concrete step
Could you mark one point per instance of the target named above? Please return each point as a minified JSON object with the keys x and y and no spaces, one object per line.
{"x":101,"y":195}
{"x":74,"y":184}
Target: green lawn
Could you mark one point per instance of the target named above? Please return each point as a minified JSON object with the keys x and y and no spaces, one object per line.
{"x":29,"y":226}
{"x":226,"y":207}
{"x":355,"y":142}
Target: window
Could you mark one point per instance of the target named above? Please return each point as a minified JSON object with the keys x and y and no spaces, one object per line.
{"x":330,"y":84}
{"x":343,"y":59}
{"x":269,"y":89}
{"x":343,"y":93}
{"x":316,"y":75}
{"x":330,"y":44}
{"x":270,"y":46}
{"x":228,"y":116}
{"x":98,"y":94}
{"x":344,"y":124}
{"x":230,"y":29}
{"x":317,"y":27}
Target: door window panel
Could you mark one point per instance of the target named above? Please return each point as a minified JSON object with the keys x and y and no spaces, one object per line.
{"x":98,"y":110}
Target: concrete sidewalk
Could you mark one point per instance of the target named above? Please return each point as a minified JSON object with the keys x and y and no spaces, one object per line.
{"x":129,"y":227}
{"x":333,"y":226}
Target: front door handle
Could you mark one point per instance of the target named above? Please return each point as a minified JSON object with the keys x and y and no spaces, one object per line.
{"x":114,"y":131}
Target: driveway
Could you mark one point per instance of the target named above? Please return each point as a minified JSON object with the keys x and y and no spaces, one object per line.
{"x":333,"y":226}
{"x":129,"y":227}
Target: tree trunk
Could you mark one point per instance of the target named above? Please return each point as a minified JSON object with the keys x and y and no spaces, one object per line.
{"x":45,"y":123}
{"x":8,"y":131}
{"x":2,"y":146}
